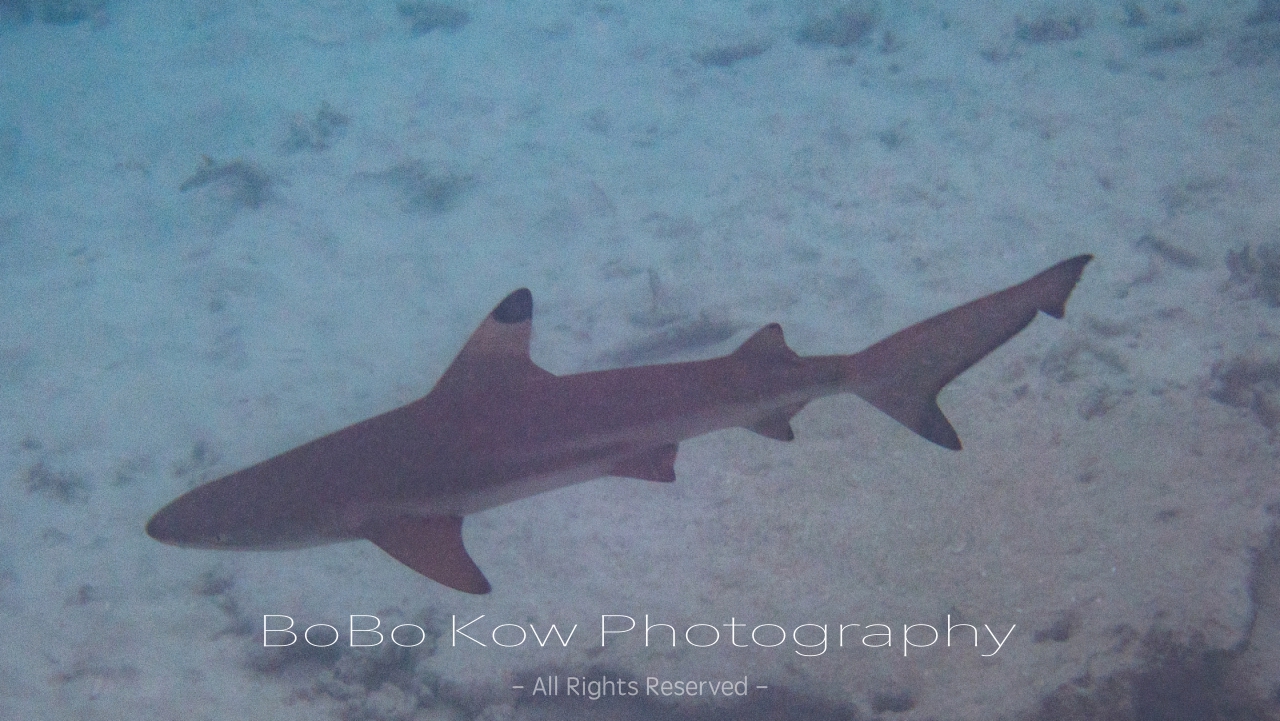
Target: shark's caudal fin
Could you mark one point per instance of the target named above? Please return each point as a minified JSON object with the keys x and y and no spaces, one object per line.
{"x":902,"y":374}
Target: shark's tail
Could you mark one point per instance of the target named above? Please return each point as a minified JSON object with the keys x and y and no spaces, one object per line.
{"x":902,"y":374}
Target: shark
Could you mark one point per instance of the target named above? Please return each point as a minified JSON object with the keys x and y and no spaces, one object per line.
{"x":496,"y":428}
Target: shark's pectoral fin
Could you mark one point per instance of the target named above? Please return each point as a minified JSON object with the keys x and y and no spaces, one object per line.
{"x":655,"y":464}
{"x":777,"y":425}
{"x":431,"y":546}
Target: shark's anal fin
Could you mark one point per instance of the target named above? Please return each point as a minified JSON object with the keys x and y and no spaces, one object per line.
{"x":777,"y":425}
{"x":656,"y":464}
{"x":431,"y":546}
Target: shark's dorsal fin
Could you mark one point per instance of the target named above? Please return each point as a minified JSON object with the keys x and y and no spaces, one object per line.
{"x":655,"y":464}
{"x":767,"y":343}
{"x":506,"y":331}
{"x":432,"y":546}
{"x":501,"y":343}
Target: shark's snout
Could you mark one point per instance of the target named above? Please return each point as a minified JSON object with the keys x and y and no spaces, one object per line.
{"x":162,"y":528}
{"x":217,"y":515}
{"x":184,"y":523}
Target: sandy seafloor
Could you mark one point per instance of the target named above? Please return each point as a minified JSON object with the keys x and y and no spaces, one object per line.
{"x":666,"y":177}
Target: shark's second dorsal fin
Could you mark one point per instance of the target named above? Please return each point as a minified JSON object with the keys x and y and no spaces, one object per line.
{"x":769,"y":346}
{"x":432,"y":546}
{"x":501,"y":341}
{"x":768,"y":343}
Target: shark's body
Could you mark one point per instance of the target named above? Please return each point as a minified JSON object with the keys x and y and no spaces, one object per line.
{"x":497,"y":428}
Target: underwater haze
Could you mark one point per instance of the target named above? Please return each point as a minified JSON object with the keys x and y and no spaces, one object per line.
{"x":230,"y":227}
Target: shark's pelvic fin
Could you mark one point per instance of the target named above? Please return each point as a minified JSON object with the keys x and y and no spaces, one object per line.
{"x":902,"y":374}
{"x":431,"y":546}
{"x":656,"y":464}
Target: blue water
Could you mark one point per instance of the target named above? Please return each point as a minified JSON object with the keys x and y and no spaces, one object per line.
{"x":228,"y":228}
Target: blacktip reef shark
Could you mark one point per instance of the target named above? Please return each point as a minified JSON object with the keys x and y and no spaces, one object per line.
{"x":497,"y":428}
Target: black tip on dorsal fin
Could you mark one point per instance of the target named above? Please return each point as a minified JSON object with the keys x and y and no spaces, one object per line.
{"x":505,"y":333}
{"x":500,"y":346}
{"x":515,"y":308}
